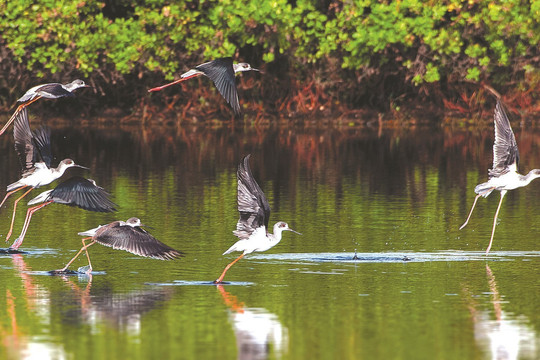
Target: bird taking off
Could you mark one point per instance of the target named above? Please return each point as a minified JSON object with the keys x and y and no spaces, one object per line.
{"x":124,"y":235}
{"x":222,"y":72}
{"x":75,"y":191}
{"x":48,"y":91}
{"x":35,"y":156}
{"x":503,"y":176}
{"x":252,"y":226}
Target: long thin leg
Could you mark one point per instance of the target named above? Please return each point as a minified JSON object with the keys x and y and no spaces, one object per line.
{"x":10,"y":193}
{"x":159,"y":88}
{"x":89,"y":271}
{"x":19,"y":108}
{"x":17,"y":243}
{"x":4,"y":128}
{"x":503,"y":192}
{"x":14,"y":212}
{"x":474,"y":204}
{"x":220,"y":279}
{"x":470,"y":213}
{"x":84,"y":247}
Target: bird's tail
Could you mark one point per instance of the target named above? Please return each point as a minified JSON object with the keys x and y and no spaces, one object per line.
{"x":484,"y":189}
{"x":14,"y":186}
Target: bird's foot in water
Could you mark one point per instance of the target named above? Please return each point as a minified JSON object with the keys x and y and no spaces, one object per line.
{"x":16,"y":244}
{"x":220,"y":282}
{"x":63,"y":272}
{"x":11,"y":251}
{"x":85,"y":270}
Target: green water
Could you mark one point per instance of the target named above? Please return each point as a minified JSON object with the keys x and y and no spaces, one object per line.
{"x":421,"y":288}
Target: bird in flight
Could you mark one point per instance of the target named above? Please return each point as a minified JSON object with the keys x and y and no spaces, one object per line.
{"x":504,"y":175}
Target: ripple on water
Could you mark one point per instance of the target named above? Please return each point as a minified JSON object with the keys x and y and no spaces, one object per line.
{"x":395,"y":257}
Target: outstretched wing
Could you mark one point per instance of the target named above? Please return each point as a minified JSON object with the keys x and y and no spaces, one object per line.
{"x":23,"y":140}
{"x":252,"y":203}
{"x":55,"y":90}
{"x":31,"y":147}
{"x":221,"y":72}
{"x":505,"y":149}
{"x":42,"y":144}
{"x":134,"y":240}
{"x":83,"y":193}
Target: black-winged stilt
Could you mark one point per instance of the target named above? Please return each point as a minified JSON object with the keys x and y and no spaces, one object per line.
{"x":503,"y":176}
{"x":34,"y":151}
{"x":222,"y":73}
{"x":49,"y":91}
{"x":125,"y":235}
{"x":252,"y":225}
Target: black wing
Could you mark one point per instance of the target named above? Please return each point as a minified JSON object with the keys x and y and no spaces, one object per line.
{"x":42,"y":144}
{"x":31,"y":148}
{"x":23,"y":140}
{"x":252,"y":204}
{"x":221,"y":72}
{"x":80,"y":192}
{"x":134,"y":240}
{"x":505,"y":149}
{"x":53,"y":90}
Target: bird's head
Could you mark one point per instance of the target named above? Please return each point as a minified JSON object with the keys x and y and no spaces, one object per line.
{"x":67,"y":163}
{"x":534,"y":173}
{"x":134,"y":222}
{"x":244,"y":67}
{"x":283,"y":226}
{"x":76,"y":84}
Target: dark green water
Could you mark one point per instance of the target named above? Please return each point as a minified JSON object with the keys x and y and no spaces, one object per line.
{"x":421,"y":289}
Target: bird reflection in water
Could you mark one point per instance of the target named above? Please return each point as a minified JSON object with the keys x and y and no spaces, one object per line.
{"x":257,"y":331}
{"x":121,"y":310}
{"x":76,"y":304}
{"x":33,"y":299}
{"x":507,"y":336}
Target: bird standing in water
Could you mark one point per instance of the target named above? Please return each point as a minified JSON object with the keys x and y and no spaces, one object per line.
{"x":252,"y":226}
{"x":222,"y":72}
{"x":503,"y":176}
{"x":49,"y":91}
{"x":124,"y":235}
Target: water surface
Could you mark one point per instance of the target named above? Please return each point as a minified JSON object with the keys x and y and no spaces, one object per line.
{"x":419,"y":287}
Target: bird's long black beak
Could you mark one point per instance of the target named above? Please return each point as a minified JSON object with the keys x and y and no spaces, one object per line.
{"x":296,"y":232}
{"x":80,"y":166}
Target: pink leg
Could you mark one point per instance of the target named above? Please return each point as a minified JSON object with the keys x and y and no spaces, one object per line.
{"x":474,"y":204}
{"x":11,"y":119}
{"x":17,"y":243}
{"x":503,"y":192}
{"x":22,"y":106}
{"x":84,"y":247}
{"x":159,"y":88}
{"x":14,"y":212}
{"x":220,"y":279}
{"x":9,"y":194}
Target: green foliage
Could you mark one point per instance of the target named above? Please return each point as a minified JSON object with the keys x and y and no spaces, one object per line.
{"x":421,"y":41}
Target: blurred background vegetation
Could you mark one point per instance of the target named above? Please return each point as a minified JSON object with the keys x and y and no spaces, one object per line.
{"x":318,"y":56}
